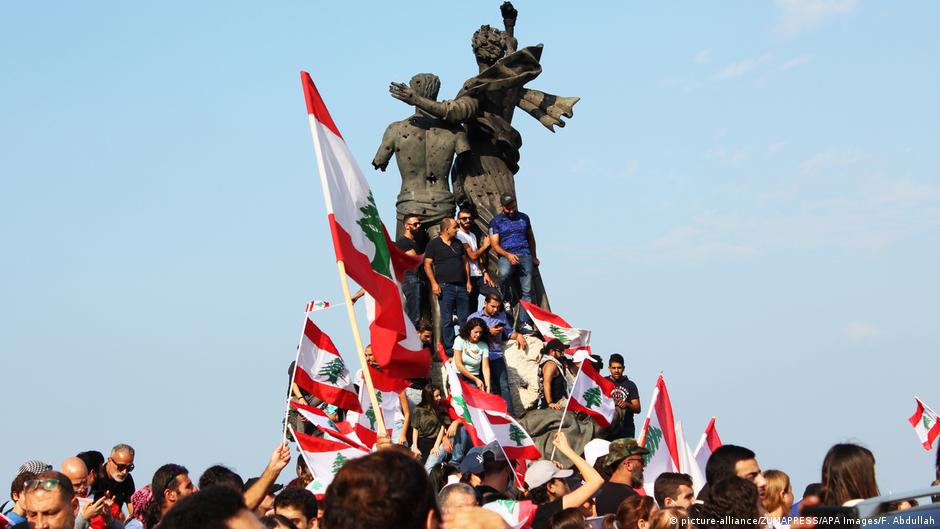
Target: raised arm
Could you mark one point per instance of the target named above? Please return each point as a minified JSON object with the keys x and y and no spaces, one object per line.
{"x":592,"y":479}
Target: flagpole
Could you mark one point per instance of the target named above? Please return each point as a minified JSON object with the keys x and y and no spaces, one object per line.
{"x":515,"y":476}
{"x":290,"y":388}
{"x":366,"y":374}
{"x":344,"y":282}
{"x":567,"y":402}
{"x":302,"y":453}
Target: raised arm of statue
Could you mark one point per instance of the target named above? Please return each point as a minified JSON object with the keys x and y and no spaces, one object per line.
{"x":509,"y":23}
{"x":386,"y":149}
{"x":452,"y":111}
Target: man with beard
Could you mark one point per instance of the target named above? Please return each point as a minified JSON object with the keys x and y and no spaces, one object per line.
{"x":624,"y":463}
{"x":627,"y":398}
{"x":116,"y":478}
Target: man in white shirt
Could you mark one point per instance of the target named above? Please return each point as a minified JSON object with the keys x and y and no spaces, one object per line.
{"x":478,"y":274}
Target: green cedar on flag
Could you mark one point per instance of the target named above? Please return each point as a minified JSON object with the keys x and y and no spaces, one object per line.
{"x":925,"y":424}
{"x":659,"y":436}
{"x":591,"y":394}
{"x":362,"y":243}
{"x":324,"y":456}
{"x":320,"y":370}
{"x":553,"y":326}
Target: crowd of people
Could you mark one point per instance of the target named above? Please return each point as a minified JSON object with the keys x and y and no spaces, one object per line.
{"x":390,"y":488}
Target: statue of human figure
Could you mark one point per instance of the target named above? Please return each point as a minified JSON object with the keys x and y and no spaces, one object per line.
{"x":424,"y":148}
{"x":485,"y":105}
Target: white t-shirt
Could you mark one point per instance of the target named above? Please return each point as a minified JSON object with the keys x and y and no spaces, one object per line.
{"x":470,"y":240}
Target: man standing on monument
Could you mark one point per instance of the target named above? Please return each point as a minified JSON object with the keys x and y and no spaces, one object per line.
{"x":447,"y":268}
{"x":513,"y":240}
{"x":424,"y":148}
{"x":627,"y":398}
{"x":479,"y":276}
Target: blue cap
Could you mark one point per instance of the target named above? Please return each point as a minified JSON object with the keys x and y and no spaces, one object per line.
{"x":472,"y":462}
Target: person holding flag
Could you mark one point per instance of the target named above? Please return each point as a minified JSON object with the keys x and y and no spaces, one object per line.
{"x":553,"y":377}
{"x":548,"y":488}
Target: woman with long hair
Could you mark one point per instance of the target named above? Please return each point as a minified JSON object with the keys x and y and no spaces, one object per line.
{"x":633,"y":513}
{"x":429,"y":422}
{"x":848,"y":475}
{"x":471,"y":353}
{"x":778,"y":496}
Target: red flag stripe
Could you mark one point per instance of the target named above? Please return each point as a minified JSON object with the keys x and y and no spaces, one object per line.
{"x":330,"y":394}
{"x":309,"y":443}
{"x":315,"y":105}
{"x":664,"y":411}
{"x":711,"y":436}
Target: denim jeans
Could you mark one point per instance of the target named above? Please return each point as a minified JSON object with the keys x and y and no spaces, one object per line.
{"x":453,"y":300}
{"x":499,"y":381}
{"x":433,"y":460}
{"x":411,"y":288}
{"x":524,"y":271}
{"x":462,"y":443}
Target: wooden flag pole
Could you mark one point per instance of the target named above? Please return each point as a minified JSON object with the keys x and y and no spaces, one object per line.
{"x":360,"y":350}
{"x":567,"y":402}
{"x":290,"y":389}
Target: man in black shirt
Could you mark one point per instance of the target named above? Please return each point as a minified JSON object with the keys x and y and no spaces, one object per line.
{"x":624,"y":462}
{"x":116,"y":477}
{"x":627,"y":398}
{"x":448,"y":270}
{"x":411,"y":284}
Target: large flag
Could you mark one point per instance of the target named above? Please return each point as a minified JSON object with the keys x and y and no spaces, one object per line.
{"x":518,"y":514}
{"x":687,"y":463}
{"x":706,"y":446}
{"x":361,"y":242}
{"x":925,"y":424}
{"x":553,"y":326}
{"x":325,"y":457}
{"x":341,"y":431}
{"x":591,"y":394}
{"x":320,"y":369}
{"x":511,"y":436}
{"x":659,"y":437}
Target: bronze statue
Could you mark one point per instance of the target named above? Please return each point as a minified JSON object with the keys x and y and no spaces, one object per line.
{"x":485,"y":105}
{"x":424,"y":148}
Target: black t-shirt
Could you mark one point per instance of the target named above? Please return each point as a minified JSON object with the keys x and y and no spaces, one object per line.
{"x":624,"y":389}
{"x":405,"y":244}
{"x":121,"y":491}
{"x":545,"y":511}
{"x":447,"y":260}
{"x":610,"y":497}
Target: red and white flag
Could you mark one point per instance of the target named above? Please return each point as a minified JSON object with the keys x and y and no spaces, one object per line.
{"x":325,"y":457}
{"x":591,"y":394}
{"x":706,"y":446}
{"x":925,"y":424}
{"x":511,"y":436}
{"x":320,"y":369}
{"x":315,"y":305}
{"x":5,"y":522}
{"x":517,"y":514}
{"x":658,"y":436}
{"x":553,"y":326}
{"x":687,"y":463}
{"x":365,"y":424}
{"x":361,"y":242}
{"x":341,"y":431}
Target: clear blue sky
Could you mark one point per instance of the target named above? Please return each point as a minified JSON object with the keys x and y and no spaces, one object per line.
{"x":747,"y":198}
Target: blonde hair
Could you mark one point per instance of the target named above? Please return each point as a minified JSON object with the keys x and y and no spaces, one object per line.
{"x":778,"y":482}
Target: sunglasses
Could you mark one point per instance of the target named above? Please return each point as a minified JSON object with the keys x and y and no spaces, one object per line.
{"x":464,"y":218}
{"x":44,"y":484}
{"x":122,"y":467}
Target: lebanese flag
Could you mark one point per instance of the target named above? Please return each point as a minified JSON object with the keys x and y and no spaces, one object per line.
{"x":381,"y":379}
{"x":706,"y":446}
{"x":511,"y":436}
{"x":315,"y":305}
{"x":518,"y":514}
{"x":591,"y":395}
{"x":471,"y":404}
{"x":554,"y":326}
{"x":325,"y":457}
{"x":659,"y":437}
{"x":5,"y":522}
{"x":341,"y":431}
{"x":361,"y":242}
{"x":364,"y":423}
{"x":320,"y":369}
{"x":925,"y":424}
